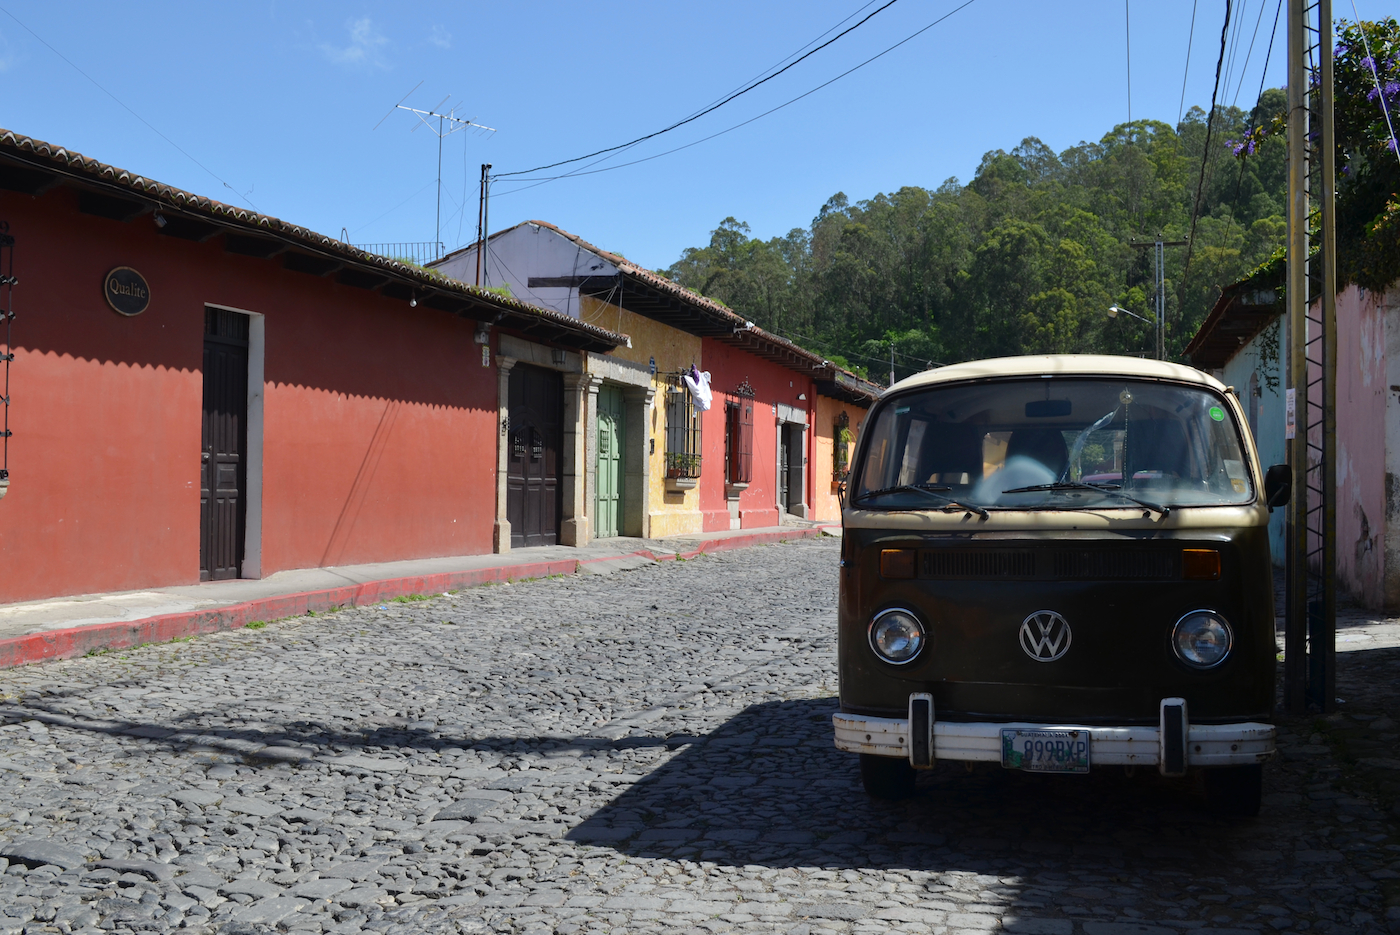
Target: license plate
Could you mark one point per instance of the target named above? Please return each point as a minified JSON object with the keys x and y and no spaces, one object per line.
{"x":1045,"y":751}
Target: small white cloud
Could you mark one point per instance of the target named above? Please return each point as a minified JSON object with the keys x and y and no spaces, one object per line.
{"x":441,"y":37}
{"x":364,"y":48}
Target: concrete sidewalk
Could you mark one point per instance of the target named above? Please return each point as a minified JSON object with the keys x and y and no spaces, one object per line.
{"x":60,"y":628}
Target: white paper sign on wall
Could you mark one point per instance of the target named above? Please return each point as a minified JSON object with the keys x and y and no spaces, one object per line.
{"x":1290,"y":413}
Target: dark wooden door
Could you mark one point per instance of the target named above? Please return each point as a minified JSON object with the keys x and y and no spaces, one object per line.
{"x":795,"y":465}
{"x":535,"y":439}
{"x":783,"y":467}
{"x":224,"y":441}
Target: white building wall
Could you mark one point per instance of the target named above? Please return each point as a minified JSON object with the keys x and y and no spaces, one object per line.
{"x":1256,"y":373}
{"x":529,"y":251}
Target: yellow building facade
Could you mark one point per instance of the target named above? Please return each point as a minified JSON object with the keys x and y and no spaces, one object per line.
{"x":670,"y":351}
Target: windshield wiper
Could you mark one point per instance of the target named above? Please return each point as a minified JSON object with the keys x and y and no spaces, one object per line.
{"x":932,"y":490}
{"x":1111,"y":489}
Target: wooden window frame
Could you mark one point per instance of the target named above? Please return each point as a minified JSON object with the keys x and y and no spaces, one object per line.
{"x":738,"y":442}
{"x":683,"y":434}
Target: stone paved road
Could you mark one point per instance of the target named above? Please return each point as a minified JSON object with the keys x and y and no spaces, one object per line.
{"x":648,"y":751}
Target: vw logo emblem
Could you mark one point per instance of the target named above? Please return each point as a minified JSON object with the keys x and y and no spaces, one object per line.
{"x":1045,"y":636}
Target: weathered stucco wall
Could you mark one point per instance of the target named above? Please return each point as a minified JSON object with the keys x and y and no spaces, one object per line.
{"x":1361,"y":444}
{"x":374,"y":413}
{"x":1256,"y":373}
{"x":827,"y":505}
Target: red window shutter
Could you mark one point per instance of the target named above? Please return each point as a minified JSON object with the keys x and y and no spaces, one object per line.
{"x":745,"y":446}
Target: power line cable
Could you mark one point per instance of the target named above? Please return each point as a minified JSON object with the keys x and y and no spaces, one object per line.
{"x":1234,"y":43}
{"x":1250,"y":54}
{"x":777,"y":64}
{"x":1181,"y":108}
{"x":1128,"y":47}
{"x":128,"y":109}
{"x":575,"y":174}
{"x":1205,"y":155}
{"x":1375,"y":76}
{"x":1239,"y":178}
{"x":712,"y":107}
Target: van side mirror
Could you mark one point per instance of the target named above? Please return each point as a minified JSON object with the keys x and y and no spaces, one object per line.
{"x":1278,"y":485}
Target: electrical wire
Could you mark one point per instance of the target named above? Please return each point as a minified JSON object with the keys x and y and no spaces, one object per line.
{"x":395,"y":207}
{"x":541,"y":181}
{"x":1234,"y":44}
{"x":712,"y":107}
{"x":1205,"y":154}
{"x":1375,"y":76}
{"x":1190,"y":39}
{"x":1250,"y":54}
{"x":1128,"y":48}
{"x":1263,"y":76}
{"x":128,"y":109}
{"x":765,"y":71}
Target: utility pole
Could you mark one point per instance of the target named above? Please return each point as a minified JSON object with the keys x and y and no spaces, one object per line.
{"x":1309,"y":678}
{"x":483,"y":230}
{"x":481,"y":219}
{"x":1159,"y":273}
{"x":891,"y":361}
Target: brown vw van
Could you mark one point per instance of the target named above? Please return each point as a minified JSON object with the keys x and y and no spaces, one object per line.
{"x":1059,"y":564}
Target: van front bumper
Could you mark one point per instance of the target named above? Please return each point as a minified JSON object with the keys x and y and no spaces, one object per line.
{"x":1206,"y":745}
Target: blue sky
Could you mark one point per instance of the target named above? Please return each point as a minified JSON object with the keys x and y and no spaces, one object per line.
{"x":275,"y":104}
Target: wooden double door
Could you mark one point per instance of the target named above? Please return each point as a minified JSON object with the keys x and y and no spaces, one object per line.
{"x":535,"y":440}
{"x":223,"y":469}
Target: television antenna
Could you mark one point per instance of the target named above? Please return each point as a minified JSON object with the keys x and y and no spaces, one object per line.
{"x":447,"y":124}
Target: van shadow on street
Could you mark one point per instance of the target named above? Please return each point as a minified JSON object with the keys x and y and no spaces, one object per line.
{"x":769,"y":789}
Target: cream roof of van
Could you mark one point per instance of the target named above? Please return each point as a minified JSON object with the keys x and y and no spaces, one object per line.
{"x":1059,"y":365}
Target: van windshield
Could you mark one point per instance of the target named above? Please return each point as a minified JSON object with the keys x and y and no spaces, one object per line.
{"x":1087,"y":442}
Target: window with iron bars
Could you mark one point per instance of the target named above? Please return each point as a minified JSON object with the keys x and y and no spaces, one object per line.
{"x":682,"y":434}
{"x":738,"y":442}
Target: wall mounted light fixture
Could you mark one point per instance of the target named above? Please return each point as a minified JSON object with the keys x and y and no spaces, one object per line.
{"x":159,"y":219}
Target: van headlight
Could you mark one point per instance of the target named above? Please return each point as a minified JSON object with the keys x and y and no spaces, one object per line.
{"x":1202,"y":639}
{"x":896,"y":636}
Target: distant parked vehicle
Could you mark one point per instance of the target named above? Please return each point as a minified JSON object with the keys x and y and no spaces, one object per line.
{"x":1059,"y":564}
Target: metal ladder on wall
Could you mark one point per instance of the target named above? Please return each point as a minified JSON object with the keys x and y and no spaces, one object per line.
{"x":1311,"y":575}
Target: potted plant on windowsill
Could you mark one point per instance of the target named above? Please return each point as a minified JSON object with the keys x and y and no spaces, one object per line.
{"x":682,"y":472}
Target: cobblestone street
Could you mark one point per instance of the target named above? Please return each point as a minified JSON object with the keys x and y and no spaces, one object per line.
{"x":645,"y":751}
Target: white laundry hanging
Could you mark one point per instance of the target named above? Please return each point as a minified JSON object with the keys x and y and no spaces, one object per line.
{"x":698,"y":382}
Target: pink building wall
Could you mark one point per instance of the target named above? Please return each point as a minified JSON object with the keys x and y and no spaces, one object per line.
{"x":1361,"y":444}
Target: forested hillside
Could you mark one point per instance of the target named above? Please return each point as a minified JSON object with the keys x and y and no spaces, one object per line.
{"x":1025,"y":258}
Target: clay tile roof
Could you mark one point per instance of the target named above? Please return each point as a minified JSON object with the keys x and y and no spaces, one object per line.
{"x":429,"y":287}
{"x":709,"y":318}
{"x":1243,"y":310}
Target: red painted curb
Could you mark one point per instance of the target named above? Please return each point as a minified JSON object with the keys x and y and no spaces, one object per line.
{"x":79,"y":641}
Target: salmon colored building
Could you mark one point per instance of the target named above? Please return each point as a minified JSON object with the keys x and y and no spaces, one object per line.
{"x":203,"y":392}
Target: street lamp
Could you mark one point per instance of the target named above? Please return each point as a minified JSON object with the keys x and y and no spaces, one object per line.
{"x":1113,"y":311}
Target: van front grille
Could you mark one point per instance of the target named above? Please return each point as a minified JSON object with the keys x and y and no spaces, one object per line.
{"x":979,"y":563}
{"x":1051,"y":563}
{"x":1118,"y":563}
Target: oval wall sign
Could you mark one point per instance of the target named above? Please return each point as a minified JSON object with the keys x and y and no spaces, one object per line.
{"x":126,"y":291}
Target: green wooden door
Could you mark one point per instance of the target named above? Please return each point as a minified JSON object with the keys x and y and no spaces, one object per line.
{"x":610,"y":443}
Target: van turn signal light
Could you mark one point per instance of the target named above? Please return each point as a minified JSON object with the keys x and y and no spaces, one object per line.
{"x":897,"y":563}
{"x":1200,"y":564}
